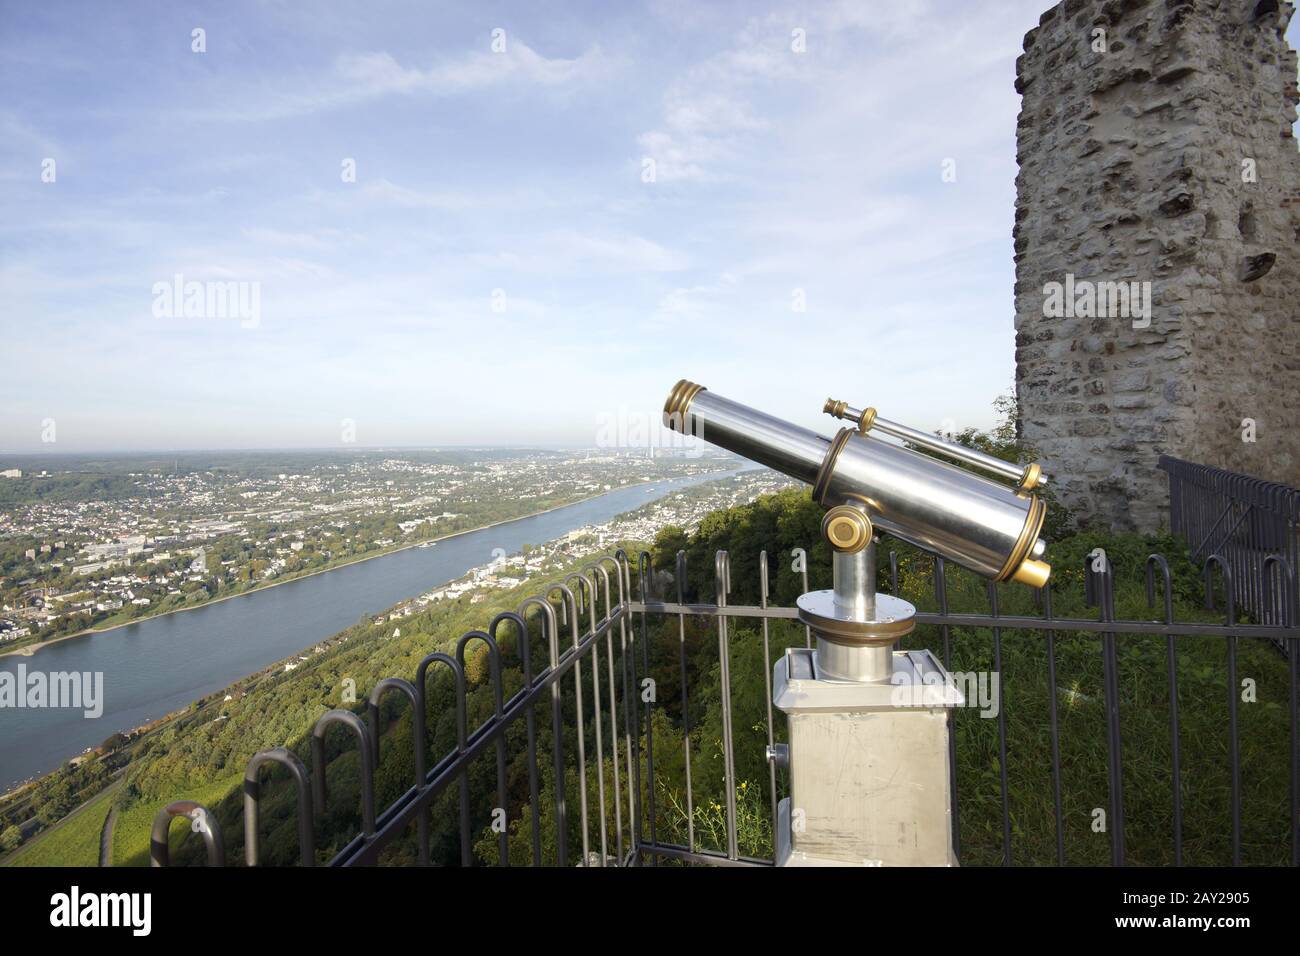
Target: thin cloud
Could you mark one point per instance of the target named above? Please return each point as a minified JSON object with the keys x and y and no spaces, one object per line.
{"x":359,"y":78}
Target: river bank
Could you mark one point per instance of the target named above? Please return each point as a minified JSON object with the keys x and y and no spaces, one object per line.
{"x":30,"y":650}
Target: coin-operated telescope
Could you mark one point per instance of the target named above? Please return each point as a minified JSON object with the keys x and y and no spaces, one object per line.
{"x":895,"y":754}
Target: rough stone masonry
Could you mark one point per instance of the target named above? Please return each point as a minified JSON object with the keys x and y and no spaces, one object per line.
{"x":1157,"y":156}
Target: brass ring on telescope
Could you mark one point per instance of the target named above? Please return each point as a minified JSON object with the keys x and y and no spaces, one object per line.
{"x":827,"y":469}
{"x":678,"y":404}
{"x":1029,"y":480}
{"x":866,"y":421}
{"x":1028,"y":535}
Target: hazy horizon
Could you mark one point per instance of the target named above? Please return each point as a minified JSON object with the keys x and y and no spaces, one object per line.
{"x":705,"y":451}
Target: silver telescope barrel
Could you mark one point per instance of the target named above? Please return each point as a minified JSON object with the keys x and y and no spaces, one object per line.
{"x":978,"y":523}
{"x":693,"y":410}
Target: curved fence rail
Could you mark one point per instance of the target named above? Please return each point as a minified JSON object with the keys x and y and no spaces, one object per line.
{"x":595,"y":699}
{"x":1244,"y":522}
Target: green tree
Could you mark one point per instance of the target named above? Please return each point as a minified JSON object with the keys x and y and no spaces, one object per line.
{"x":10,"y":839}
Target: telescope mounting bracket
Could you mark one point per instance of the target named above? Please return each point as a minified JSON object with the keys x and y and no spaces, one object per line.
{"x":856,"y":627}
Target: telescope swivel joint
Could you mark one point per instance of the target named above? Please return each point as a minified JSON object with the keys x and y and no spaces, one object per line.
{"x":847,"y":529}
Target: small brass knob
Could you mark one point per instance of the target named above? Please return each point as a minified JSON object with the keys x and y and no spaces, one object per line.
{"x":1032,"y":478}
{"x":847,"y":528}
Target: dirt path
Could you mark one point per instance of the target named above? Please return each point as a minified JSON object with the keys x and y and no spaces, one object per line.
{"x":106,"y":838}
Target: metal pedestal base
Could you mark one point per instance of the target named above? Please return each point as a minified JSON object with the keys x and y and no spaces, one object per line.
{"x":869,"y":770}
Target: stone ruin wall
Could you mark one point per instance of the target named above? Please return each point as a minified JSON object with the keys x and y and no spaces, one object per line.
{"x":1133,"y":167}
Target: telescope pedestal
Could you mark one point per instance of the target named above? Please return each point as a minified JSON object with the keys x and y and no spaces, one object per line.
{"x":868,"y":731}
{"x":868,"y":762}
{"x":856,"y":628}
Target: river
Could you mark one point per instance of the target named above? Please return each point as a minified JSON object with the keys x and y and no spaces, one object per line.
{"x":158,"y":665}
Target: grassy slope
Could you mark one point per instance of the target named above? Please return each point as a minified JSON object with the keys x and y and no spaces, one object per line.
{"x":73,"y":841}
{"x":134,"y":824}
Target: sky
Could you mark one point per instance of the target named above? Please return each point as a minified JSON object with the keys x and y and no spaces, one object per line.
{"x":498,"y":223}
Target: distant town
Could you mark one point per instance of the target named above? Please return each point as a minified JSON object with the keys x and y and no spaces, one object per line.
{"x":684,"y":509}
{"x":95,"y":544}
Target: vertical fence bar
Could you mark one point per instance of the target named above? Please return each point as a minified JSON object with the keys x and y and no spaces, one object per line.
{"x":1171,"y":658}
{"x":407,"y":689}
{"x":569,"y":607}
{"x":723,"y":570}
{"x":498,"y":711}
{"x":767,"y":683}
{"x":801,"y":558}
{"x":458,"y":677}
{"x":1287,"y":616}
{"x":992,"y":591}
{"x":893,"y":585}
{"x":644,"y":571}
{"x":358,"y":728}
{"x":587,"y":597}
{"x":1234,"y":747}
{"x":941,"y":598}
{"x":1294,"y":662}
{"x":253,"y":795}
{"x":686,"y":701}
{"x":550,"y":636}
{"x":1054,"y":724}
{"x":201,"y":819}
{"x":613,"y":706}
{"x":1105,"y":594}
{"x":530,"y":724}
{"x":632,"y":743}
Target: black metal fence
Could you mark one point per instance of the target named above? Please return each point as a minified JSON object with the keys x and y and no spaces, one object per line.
{"x":1242,"y":520}
{"x":587,"y":700}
